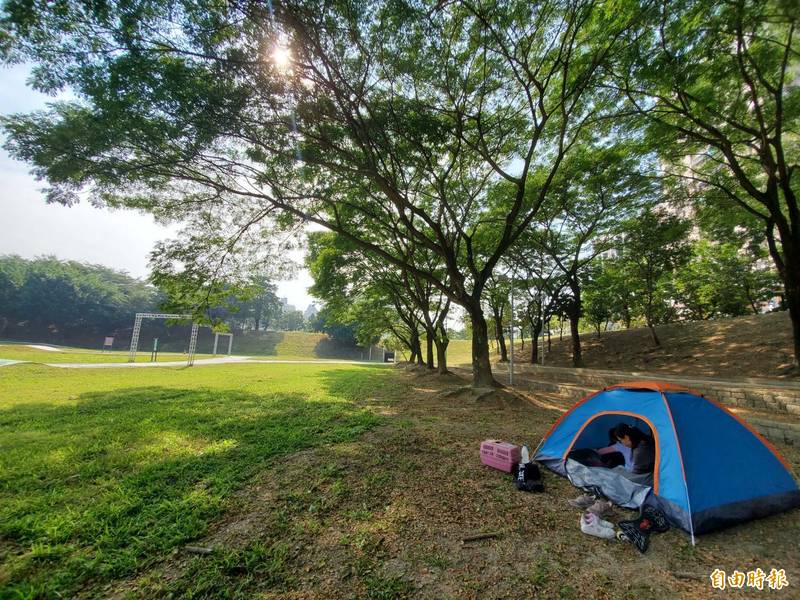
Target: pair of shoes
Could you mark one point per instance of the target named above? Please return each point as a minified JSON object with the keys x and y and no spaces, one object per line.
{"x":591,"y":524}
{"x":583,"y":502}
{"x":600,"y":507}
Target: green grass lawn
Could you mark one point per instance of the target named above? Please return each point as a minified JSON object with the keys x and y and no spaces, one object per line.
{"x":103,"y":473}
{"x":81,"y":355}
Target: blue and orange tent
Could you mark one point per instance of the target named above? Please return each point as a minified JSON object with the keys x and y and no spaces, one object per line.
{"x":712,"y":470}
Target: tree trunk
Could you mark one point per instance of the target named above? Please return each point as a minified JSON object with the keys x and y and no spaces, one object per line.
{"x":574,"y":315}
{"x":441,"y":354}
{"x":535,"y":331}
{"x":786,"y":259}
{"x":626,"y":316}
{"x":652,"y":328}
{"x":429,"y":335}
{"x":535,"y":349}
{"x":549,"y":340}
{"x":501,"y":340}
{"x":481,"y":364}
{"x":577,"y":355}
{"x":792,"y":287}
{"x":417,"y":348}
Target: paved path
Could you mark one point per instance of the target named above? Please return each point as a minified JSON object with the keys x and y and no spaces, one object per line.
{"x":226,"y":360}
{"x":4,"y":362}
{"x":141,"y":365}
{"x":45,"y":348}
{"x":323,"y":361}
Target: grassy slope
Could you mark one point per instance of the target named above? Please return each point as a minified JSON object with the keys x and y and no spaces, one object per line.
{"x":459,"y":352}
{"x":278,"y":343}
{"x":754,"y":346}
{"x":105,"y":472}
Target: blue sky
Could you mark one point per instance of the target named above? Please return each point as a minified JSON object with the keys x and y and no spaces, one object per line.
{"x":119,"y":239}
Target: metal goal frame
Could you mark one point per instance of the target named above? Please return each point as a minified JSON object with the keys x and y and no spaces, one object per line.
{"x":137,"y":327}
{"x":216,"y":339}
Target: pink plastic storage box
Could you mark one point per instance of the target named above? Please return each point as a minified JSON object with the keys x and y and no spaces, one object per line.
{"x":500,"y":455}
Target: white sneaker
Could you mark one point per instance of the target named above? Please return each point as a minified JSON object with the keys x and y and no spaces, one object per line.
{"x":591,"y":524}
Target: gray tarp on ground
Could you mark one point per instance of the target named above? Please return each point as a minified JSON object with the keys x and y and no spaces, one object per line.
{"x":616,"y":484}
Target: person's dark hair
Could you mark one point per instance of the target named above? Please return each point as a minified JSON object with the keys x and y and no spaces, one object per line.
{"x":634,"y":433}
{"x":612,"y":437}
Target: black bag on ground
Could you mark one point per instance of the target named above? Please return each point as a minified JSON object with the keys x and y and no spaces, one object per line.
{"x":528,"y":478}
{"x":637,"y":531}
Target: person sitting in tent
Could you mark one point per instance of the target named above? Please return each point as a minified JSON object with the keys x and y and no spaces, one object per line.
{"x":616,"y":453}
{"x":642,"y":450}
{"x":630,"y":454}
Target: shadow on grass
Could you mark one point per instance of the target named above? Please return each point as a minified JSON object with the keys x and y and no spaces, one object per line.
{"x":101,"y":489}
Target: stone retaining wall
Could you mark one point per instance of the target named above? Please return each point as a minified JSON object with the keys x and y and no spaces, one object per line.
{"x":781,"y":398}
{"x":777,"y":431}
{"x":777,"y":396}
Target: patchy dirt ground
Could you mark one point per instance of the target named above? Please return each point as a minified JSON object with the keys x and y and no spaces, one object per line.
{"x":384,"y":517}
{"x":755,"y":346}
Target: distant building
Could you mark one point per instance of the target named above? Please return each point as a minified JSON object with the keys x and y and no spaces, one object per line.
{"x":286,"y":307}
{"x":310,"y":312}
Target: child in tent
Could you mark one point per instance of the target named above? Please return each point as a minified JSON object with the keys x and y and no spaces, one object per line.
{"x":616,"y":453}
{"x":637,"y":450}
{"x":642,"y":448}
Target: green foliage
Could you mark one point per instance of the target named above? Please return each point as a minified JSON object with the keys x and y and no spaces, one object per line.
{"x":260,"y":308}
{"x":610,"y":293}
{"x":429,"y":136}
{"x":49,"y":295}
{"x":433,"y":128}
{"x":361,"y":296}
{"x":722,"y":280}
{"x":716,"y":85}
{"x":598,"y":306}
{"x":654,"y":247}
{"x":290,"y":320}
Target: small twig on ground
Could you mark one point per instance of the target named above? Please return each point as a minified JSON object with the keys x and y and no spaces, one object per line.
{"x":482,"y":536}
{"x":198,"y":550}
{"x":693,"y":576}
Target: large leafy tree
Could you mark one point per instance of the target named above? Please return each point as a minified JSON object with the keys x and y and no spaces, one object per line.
{"x":376,"y":298}
{"x":655,"y":246}
{"x":598,"y":187}
{"x":380,"y":121}
{"x":717,"y":84}
{"x":539,"y":279}
{"x":368,"y":296}
{"x":722,"y":280}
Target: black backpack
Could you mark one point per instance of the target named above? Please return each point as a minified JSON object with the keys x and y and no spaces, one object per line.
{"x":528,"y":478}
